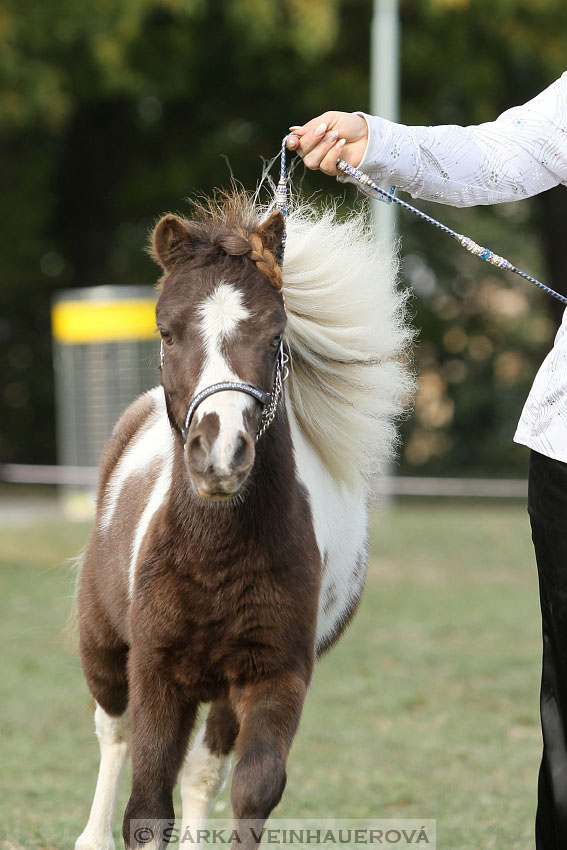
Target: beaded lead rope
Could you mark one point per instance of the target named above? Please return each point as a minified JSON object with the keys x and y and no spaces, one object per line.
{"x":281,"y":196}
{"x":365,"y":184}
{"x":368,"y":186}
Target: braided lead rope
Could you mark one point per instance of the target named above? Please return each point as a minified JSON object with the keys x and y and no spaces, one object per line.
{"x":365,"y":184}
{"x":282,"y":370}
{"x":281,"y":197}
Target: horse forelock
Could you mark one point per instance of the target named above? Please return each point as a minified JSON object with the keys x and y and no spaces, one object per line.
{"x":230,"y":225}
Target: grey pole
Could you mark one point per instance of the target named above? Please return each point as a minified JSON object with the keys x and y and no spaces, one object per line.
{"x":384,"y":99}
{"x":384,"y":95}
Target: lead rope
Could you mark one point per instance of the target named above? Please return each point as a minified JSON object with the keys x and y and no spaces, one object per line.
{"x":365,"y":184}
{"x":368,"y":187}
{"x":282,"y":367}
{"x":281,"y":197}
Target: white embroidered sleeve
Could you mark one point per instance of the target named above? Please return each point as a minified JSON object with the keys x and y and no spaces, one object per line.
{"x":520,"y":154}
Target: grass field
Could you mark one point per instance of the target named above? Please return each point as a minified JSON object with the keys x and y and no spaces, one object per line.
{"x":428,"y":708}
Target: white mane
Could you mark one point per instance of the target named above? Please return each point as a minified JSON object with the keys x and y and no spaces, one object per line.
{"x":348,"y":335}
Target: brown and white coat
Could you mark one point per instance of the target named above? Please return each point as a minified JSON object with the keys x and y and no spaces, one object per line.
{"x":220,"y":567}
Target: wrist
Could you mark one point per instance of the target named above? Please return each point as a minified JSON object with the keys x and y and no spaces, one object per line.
{"x":363,"y":143}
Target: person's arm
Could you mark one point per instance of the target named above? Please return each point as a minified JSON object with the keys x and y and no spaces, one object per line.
{"x":520,"y":154}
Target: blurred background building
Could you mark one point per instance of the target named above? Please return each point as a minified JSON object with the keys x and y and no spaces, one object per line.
{"x":114,"y":112}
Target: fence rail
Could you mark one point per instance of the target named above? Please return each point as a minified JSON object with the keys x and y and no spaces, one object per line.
{"x":414,"y":486}
{"x":21,"y":473}
{"x":466,"y":488}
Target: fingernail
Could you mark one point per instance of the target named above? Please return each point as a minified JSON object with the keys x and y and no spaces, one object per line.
{"x":341,"y":143}
{"x":295,"y":126}
{"x":319,"y":129}
{"x":330,"y":137}
{"x":291,"y":143}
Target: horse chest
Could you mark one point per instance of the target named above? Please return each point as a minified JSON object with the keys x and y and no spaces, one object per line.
{"x":235,"y":625}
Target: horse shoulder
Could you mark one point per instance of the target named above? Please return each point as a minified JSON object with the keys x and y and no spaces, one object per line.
{"x":124,"y":432}
{"x":134,"y":480}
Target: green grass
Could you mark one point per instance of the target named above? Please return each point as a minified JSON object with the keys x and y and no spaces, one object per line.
{"x":428,"y":708}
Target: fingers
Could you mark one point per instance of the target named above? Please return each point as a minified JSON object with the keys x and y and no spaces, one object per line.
{"x":328,"y":137}
{"x":325,"y":154}
{"x":320,"y":152}
{"x":309,"y":135}
{"x":328,"y":164}
{"x":318,"y":146}
{"x":305,"y":138}
{"x":318,"y":126}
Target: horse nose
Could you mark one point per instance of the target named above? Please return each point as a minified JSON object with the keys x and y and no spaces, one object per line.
{"x":220,"y":456}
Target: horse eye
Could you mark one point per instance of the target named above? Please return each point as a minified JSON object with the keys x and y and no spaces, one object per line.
{"x":166,"y":336}
{"x":275,"y":342}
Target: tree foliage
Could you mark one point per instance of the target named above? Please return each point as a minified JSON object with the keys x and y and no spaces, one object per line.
{"x":113,"y":111}
{"x":59,"y":55}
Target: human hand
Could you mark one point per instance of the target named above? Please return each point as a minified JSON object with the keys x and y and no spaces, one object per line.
{"x":329,"y":137}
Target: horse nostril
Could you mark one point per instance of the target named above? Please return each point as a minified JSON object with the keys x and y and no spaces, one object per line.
{"x":243,"y":452}
{"x":198,"y":453}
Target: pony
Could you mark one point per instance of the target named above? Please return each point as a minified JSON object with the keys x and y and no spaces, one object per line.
{"x":229,"y":549}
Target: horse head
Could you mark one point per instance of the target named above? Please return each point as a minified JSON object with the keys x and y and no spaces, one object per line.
{"x":221,"y":318}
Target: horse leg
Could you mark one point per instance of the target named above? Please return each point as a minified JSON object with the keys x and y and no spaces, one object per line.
{"x":161,"y":719}
{"x":112,"y":735}
{"x":104,"y":663}
{"x":207,"y":765}
{"x":268,"y":712}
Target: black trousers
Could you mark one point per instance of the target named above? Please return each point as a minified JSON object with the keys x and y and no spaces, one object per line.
{"x":547,"y":505}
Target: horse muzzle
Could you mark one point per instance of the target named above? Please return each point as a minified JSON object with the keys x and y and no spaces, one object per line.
{"x":218,"y":463}
{"x":219,"y":459}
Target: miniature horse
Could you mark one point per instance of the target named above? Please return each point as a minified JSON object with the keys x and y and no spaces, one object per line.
{"x":230,"y":542}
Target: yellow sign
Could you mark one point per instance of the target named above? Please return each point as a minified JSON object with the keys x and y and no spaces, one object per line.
{"x":103,"y":321}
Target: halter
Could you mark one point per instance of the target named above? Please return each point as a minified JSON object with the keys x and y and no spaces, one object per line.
{"x":269,"y":401}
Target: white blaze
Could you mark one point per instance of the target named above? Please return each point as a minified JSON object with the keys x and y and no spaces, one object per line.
{"x":221,"y":313}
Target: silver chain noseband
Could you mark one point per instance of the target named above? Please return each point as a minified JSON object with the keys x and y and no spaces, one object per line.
{"x":271,"y":407}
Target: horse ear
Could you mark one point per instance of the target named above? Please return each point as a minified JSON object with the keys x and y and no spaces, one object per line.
{"x":271,"y":232}
{"x":170,"y":241}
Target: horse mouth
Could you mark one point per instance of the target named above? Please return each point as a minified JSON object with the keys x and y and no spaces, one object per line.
{"x":214,"y":495}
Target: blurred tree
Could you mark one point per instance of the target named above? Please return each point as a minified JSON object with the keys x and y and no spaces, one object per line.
{"x":111,"y":112}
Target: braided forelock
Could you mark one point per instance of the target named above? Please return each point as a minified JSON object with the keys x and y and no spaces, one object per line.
{"x":265,"y":260}
{"x":230,"y":221}
{"x":241,"y":244}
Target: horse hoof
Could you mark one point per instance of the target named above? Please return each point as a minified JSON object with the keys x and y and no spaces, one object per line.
{"x":92,"y":842}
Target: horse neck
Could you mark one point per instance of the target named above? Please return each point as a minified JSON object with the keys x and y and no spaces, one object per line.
{"x":266,"y":499}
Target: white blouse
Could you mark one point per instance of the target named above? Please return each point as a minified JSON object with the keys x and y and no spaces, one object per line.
{"x":522,"y":153}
